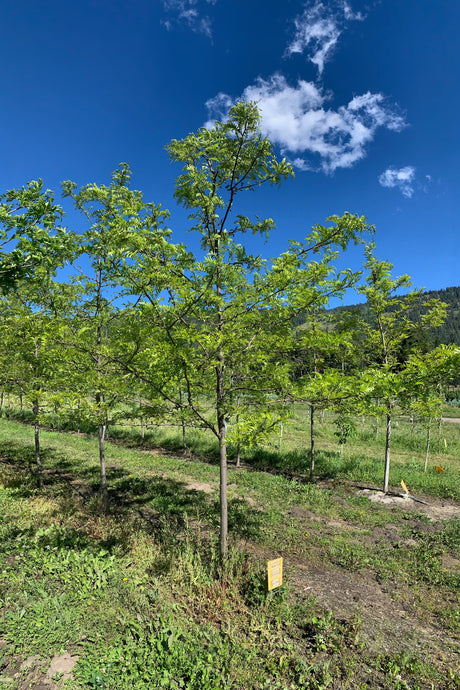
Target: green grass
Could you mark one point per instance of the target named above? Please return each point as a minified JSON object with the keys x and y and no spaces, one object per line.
{"x":140,"y":595}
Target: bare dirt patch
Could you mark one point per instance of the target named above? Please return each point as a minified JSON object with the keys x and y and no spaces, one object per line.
{"x":394,"y":616}
{"x":432,"y":508}
{"x":389,"y":623}
{"x":200,"y":486}
{"x":62,"y":665}
{"x":34,"y":671}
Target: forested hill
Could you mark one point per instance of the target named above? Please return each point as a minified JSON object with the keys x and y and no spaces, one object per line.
{"x":448,"y":333}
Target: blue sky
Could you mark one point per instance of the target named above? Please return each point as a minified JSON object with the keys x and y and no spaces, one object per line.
{"x":362,"y":97}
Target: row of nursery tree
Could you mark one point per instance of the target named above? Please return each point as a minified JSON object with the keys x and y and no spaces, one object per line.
{"x":146,"y":329}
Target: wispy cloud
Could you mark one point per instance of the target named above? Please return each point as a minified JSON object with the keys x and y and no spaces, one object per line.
{"x":295,"y":118}
{"x":189,"y":12}
{"x":318,"y":28}
{"x":402,"y":178}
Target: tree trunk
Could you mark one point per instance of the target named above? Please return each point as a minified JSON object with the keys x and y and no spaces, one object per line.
{"x":428,"y":434}
{"x":100,"y":397}
{"x":104,"y":489}
{"x":184,"y":436}
{"x":238,"y":447}
{"x":387,"y":455}
{"x":223,"y":486}
{"x":222,"y":429}
{"x":220,"y":402}
{"x":312,"y":441}
{"x":38,"y":461}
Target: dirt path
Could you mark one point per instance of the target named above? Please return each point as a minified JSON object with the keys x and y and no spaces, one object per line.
{"x":393,"y":619}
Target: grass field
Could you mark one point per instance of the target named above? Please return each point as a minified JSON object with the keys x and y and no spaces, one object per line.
{"x":139,"y":599}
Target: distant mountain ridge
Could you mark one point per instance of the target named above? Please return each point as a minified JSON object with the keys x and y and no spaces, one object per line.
{"x":448,"y":333}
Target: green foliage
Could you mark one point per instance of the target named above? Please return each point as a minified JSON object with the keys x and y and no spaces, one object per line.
{"x":158,"y":654}
{"x":36,"y":245}
{"x":345,"y":428}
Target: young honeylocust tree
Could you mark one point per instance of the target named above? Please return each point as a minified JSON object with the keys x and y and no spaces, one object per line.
{"x":219,"y":306}
{"x":425,"y":378}
{"x":31,"y":360}
{"x":119,"y":225}
{"x":228,"y":321}
{"x":33,"y":245}
{"x":385,"y":384}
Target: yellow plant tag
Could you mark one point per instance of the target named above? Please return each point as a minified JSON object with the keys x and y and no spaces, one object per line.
{"x":275,"y":573}
{"x":406,"y":490}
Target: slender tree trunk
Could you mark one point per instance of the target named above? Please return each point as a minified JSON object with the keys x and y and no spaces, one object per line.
{"x":387,"y":455}
{"x":142,"y":420}
{"x":1,"y":403}
{"x":184,"y":436}
{"x":101,"y":429}
{"x":223,"y":487}
{"x":281,"y":435}
{"x":104,"y":489}
{"x":21,"y":405}
{"x":427,"y":451}
{"x":312,"y":441}
{"x":99,"y":399}
{"x":238,"y":447}
{"x":221,"y":423}
{"x":312,"y":424}
{"x":36,"y":412}
{"x":38,"y":460}
{"x":222,"y":428}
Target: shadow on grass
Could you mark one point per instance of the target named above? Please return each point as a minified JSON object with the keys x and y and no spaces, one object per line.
{"x":296,"y":464}
{"x":165,"y":506}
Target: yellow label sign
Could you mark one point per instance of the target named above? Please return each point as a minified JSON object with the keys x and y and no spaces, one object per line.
{"x":275,"y":573}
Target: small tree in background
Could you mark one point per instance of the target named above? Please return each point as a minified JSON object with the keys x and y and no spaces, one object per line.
{"x":119,"y":224}
{"x":384,"y":383}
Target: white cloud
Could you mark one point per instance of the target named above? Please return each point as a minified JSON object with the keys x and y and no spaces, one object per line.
{"x":402,"y":178}
{"x":295,"y":118}
{"x":189,"y":12}
{"x":318,"y":28}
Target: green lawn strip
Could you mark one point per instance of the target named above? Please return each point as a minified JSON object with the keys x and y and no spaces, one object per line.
{"x":109,"y":589}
